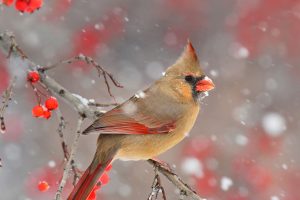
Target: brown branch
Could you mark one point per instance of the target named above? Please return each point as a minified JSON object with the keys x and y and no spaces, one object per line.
{"x":6,"y":98}
{"x":157,"y":187}
{"x":184,"y":188}
{"x":7,"y":40}
{"x":70,"y":162}
{"x":60,"y":129}
{"x":102,"y":104}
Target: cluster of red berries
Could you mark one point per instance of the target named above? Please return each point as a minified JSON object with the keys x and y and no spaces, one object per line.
{"x":50,"y":104}
{"x":45,"y":110}
{"x":24,"y":5}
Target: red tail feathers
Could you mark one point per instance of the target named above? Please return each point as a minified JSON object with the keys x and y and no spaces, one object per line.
{"x":87,"y":182}
{"x":91,"y":176}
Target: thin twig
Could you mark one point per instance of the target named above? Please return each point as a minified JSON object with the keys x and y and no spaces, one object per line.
{"x":6,"y":98}
{"x":157,"y":187}
{"x":70,"y":161}
{"x":102,"y":104}
{"x":175,"y":179}
{"x":12,"y":45}
{"x":60,"y":129}
{"x":89,"y":61}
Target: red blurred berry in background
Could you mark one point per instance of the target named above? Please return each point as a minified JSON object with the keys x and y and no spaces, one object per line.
{"x":34,"y":5}
{"x":8,"y":2}
{"x":104,"y":179}
{"x":43,"y":186}
{"x":108,"y":168}
{"x":28,"y":5}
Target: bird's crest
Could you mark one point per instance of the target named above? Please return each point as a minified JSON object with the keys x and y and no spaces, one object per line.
{"x":187,"y":63}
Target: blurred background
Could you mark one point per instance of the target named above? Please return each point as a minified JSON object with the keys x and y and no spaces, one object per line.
{"x":245,"y":143}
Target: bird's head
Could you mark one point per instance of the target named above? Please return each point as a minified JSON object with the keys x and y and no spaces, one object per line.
{"x":186,"y":76}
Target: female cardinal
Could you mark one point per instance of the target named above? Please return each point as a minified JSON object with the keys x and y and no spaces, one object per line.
{"x":150,"y":122}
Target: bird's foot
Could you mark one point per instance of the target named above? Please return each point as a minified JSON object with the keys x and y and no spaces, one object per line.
{"x":162,"y":164}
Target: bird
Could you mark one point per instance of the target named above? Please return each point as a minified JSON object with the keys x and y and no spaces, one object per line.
{"x":150,"y":122}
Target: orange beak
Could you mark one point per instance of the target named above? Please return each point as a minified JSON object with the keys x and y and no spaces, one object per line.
{"x":205,"y":85}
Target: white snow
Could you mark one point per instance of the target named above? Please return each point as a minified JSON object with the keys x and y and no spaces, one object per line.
{"x":274,"y":124}
{"x":83,"y":100}
{"x":207,"y":78}
{"x":187,"y":134}
{"x":284,"y":166}
{"x":214,"y":73}
{"x":238,"y":51}
{"x":203,"y":95}
{"x":51,"y":163}
{"x":129,"y":108}
{"x":213,"y":138}
{"x":243,"y":123}
{"x":192,"y":166}
{"x":140,"y":94}
{"x":263,"y":26}
{"x":241,"y":140}
{"x":99,"y":26}
{"x":243,"y":52}
{"x":274,"y":198}
{"x":92,"y":101}
{"x":226,"y":183}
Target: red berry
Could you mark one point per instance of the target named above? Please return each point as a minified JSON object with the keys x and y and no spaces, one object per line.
{"x":37,"y":111}
{"x":51,"y":103}
{"x":43,"y":186}
{"x":33,"y":76}
{"x":47,"y":114}
{"x":34,"y":5}
{"x":8,"y":2}
{"x":21,"y":5}
{"x":104,"y":179}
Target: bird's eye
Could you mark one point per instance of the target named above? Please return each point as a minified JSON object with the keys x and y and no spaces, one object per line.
{"x":189,"y":78}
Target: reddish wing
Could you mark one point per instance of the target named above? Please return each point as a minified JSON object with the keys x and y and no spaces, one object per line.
{"x":122,"y":120}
